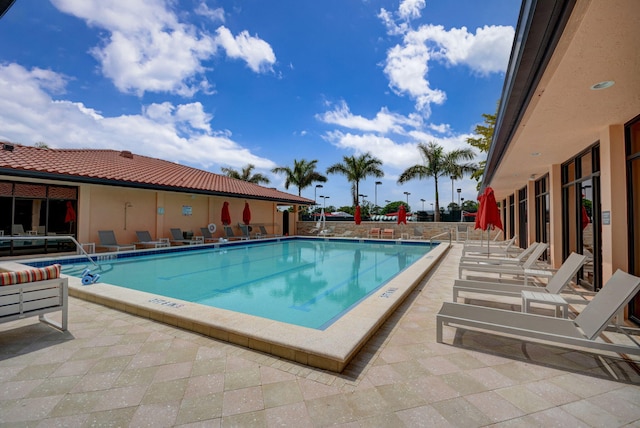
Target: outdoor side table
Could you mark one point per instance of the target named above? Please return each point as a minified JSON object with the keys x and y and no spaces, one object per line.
{"x":88,"y":247}
{"x":556,"y":300}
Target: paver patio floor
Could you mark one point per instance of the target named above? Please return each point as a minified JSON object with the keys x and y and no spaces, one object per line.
{"x":116,"y":369}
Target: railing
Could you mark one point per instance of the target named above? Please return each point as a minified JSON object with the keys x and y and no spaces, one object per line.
{"x":439,"y":235}
{"x":50,"y":238}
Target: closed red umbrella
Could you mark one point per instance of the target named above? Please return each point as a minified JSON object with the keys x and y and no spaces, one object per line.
{"x":226,"y":216}
{"x":358,"y":216}
{"x":246,"y":214}
{"x":585,"y":218}
{"x":402,"y":215}
{"x":489,"y":211}
{"x":488,"y":217}
{"x":70,"y":214}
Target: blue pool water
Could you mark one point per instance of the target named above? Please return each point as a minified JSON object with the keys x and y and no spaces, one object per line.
{"x":304,"y":282}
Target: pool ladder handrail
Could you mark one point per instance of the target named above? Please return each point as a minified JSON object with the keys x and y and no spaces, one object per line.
{"x":53,"y":238}
{"x":439,"y":235}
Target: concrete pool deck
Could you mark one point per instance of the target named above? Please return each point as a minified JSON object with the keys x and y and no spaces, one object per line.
{"x":117,"y":369}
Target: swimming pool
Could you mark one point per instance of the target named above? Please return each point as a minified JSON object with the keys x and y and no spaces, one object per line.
{"x":309,"y":283}
{"x":330,"y":349}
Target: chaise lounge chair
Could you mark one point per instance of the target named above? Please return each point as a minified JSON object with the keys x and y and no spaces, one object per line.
{"x":145,"y":240}
{"x":206,"y":235}
{"x":245,"y":229}
{"x":108,"y":240}
{"x":178,"y":238}
{"x":228,"y":231}
{"x":493,"y":249}
{"x":582,"y":331}
{"x":264,"y":234}
{"x":506,"y":266}
{"x":387,"y":234}
{"x":555,"y":285}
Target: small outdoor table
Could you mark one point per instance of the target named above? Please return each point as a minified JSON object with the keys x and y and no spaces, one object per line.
{"x":556,"y":300}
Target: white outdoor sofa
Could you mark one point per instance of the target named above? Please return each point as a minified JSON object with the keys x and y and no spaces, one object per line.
{"x":27,"y":292}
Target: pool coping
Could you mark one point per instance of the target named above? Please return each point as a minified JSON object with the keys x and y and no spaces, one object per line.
{"x":330,"y":349}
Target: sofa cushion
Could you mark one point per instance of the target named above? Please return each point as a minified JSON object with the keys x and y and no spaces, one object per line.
{"x":30,"y":275}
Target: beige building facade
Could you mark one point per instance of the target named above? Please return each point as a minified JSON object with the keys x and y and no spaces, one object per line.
{"x":565,"y":158}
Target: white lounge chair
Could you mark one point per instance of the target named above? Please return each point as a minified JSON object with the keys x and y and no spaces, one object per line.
{"x":515,"y":257}
{"x":582,"y":331}
{"x":108,"y":240}
{"x":495,"y":248}
{"x":505,"y":266}
{"x":555,"y":285}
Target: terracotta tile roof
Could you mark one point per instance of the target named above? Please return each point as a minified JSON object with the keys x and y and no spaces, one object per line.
{"x":112,"y":167}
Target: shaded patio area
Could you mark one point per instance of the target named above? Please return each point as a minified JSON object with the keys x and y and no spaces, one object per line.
{"x":116,"y":369}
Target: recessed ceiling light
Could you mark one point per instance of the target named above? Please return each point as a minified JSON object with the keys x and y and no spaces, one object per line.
{"x":603,"y":85}
{"x":535,"y":154}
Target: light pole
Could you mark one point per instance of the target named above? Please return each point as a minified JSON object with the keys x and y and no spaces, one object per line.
{"x":422,"y":200}
{"x":376,"y":195}
{"x":315,"y":191}
{"x":362,"y":196}
{"x":459,"y":190}
{"x":324,"y":201}
{"x":452,"y":177}
{"x":407,"y":193}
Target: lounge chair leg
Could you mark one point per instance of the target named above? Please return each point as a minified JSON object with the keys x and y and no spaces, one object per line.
{"x":438,"y":330}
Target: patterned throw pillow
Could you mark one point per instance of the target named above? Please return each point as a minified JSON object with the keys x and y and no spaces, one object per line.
{"x":31,"y":275}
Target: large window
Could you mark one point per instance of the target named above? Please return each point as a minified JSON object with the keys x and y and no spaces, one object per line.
{"x":633,"y":198}
{"x":512,"y":218}
{"x":32,"y":210}
{"x":542,"y":211}
{"x":581,"y":213}
{"x":522,"y":217}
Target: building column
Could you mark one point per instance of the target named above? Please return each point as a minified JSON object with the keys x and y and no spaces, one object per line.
{"x":614,"y":201}
{"x":555,"y":214}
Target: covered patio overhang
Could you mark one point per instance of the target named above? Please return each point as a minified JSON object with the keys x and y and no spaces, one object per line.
{"x":549,"y":109}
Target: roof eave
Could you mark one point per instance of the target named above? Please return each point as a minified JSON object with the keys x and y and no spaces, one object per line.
{"x":540,"y":26}
{"x":107,"y":182}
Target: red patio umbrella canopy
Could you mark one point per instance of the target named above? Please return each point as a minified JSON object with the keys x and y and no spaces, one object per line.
{"x":585,"y":218}
{"x":402,"y":215}
{"x":246,"y":214}
{"x":225,"y":218}
{"x":358,"y":216}
{"x":488,"y":214}
{"x":70,"y":214}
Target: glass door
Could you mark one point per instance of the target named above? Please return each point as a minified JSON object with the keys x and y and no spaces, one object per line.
{"x":633,"y":198}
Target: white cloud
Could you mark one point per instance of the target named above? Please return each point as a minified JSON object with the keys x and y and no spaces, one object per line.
{"x":179,"y":133}
{"x":394,"y":155}
{"x":215,"y":15}
{"x":407,"y":64}
{"x":384,"y":122}
{"x":411,"y":9}
{"x":255,"y":51}
{"x":407,"y":68}
{"x":146,"y":48}
{"x":486,"y":51}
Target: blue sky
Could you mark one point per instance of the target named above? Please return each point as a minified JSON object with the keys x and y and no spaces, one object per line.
{"x":215,"y":84}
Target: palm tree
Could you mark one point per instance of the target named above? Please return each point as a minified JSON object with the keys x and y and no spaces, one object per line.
{"x":302,"y":175}
{"x":246,"y":175}
{"x":357,"y":169}
{"x":436,"y":164}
